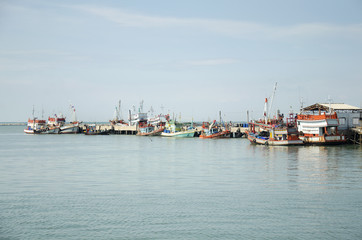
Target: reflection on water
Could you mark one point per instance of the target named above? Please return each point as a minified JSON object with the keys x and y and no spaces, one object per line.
{"x":116,"y":187}
{"x":310,"y":166}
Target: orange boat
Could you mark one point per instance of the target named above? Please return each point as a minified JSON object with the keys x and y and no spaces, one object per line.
{"x":213,"y":131}
{"x":319,"y":127}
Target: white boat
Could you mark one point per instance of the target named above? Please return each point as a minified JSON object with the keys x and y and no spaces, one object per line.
{"x":273,"y":135}
{"x":181,"y":134}
{"x":35,"y":126}
{"x":318,"y":127}
{"x":72,"y":127}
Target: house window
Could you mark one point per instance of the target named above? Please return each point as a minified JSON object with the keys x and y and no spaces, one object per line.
{"x":355,"y":121}
{"x":342,"y":121}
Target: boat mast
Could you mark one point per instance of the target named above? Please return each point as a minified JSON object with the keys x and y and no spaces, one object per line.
{"x":329,"y":101}
{"x":73,"y":113}
{"x":301,"y":104}
{"x":271,"y":99}
{"x":119,"y":115}
{"x":266,"y":111}
{"x":141,"y":107}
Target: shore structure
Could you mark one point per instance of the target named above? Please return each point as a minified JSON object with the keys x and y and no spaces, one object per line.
{"x":356,"y":137}
{"x":319,"y":123}
{"x":338,"y":121}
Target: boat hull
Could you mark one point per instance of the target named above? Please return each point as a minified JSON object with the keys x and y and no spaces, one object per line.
{"x":97,"y":133}
{"x":27,"y":131}
{"x":69,"y":130}
{"x":157,"y":132}
{"x":54,"y":130}
{"x":223,"y":134}
{"x":183,"y":134}
{"x":324,"y":140}
{"x":263,"y":141}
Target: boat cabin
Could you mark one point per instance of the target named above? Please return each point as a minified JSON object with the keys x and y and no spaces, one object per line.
{"x":349,"y":116}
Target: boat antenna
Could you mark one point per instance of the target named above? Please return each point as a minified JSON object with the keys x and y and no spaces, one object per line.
{"x":329,"y":101}
{"x":271,"y":99}
{"x":73,"y":113}
{"x":266,"y":111}
{"x":301,"y":104}
{"x":162,"y":109}
{"x":141,"y":106}
{"x":119,"y":110}
{"x":33,"y":111}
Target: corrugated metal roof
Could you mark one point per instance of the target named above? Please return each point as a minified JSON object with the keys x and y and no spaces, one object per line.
{"x":340,"y":106}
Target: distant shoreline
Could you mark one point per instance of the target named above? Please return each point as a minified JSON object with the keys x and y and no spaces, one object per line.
{"x":12,"y":123}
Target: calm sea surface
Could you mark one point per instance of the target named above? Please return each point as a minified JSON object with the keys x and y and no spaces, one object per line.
{"x":130,"y":187}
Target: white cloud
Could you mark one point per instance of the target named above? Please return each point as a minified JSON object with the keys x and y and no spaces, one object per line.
{"x":226,"y":27}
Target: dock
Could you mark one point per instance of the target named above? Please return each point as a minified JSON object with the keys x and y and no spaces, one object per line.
{"x":114,"y":129}
{"x":236,"y":132}
{"x":356,"y":136}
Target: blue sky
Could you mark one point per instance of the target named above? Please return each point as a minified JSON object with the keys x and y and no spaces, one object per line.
{"x":191,"y":57}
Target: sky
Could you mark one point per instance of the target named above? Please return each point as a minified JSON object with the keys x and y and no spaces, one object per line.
{"x":187,"y":58}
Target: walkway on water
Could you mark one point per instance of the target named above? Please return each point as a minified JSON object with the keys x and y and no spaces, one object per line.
{"x":236,"y":132}
{"x":356,"y":136}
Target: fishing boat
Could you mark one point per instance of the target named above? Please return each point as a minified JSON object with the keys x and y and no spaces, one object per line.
{"x":274,"y":132}
{"x":92,"y":130}
{"x":319,"y":127}
{"x":175,"y":129}
{"x":274,"y":135}
{"x":117,"y":116}
{"x":48,"y":130}
{"x":213,"y":131}
{"x":35,"y":126}
{"x":146,"y":129}
{"x":53,"y":125}
{"x":73,"y":127}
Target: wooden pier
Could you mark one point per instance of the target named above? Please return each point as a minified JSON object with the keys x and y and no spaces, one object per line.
{"x":356,"y":136}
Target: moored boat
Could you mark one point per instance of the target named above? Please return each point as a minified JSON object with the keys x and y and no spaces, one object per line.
{"x":320,"y":128}
{"x":175,"y":129}
{"x":179,"y":134}
{"x":35,"y":126}
{"x":214,"y":131}
{"x":71,"y":128}
{"x":274,"y":132}
{"x":149,"y":130}
{"x":92,"y":130}
{"x":48,"y":130}
{"x":274,"y":135}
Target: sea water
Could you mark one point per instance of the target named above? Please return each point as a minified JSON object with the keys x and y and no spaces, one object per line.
{"x":132,"y":187}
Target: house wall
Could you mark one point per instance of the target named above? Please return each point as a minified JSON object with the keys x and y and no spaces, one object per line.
{"x":348,"y":120}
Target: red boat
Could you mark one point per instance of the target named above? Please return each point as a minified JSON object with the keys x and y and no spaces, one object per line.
{"x":213,"y":131}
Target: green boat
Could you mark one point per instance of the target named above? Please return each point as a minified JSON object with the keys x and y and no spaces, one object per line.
{"x":174,"y":129}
